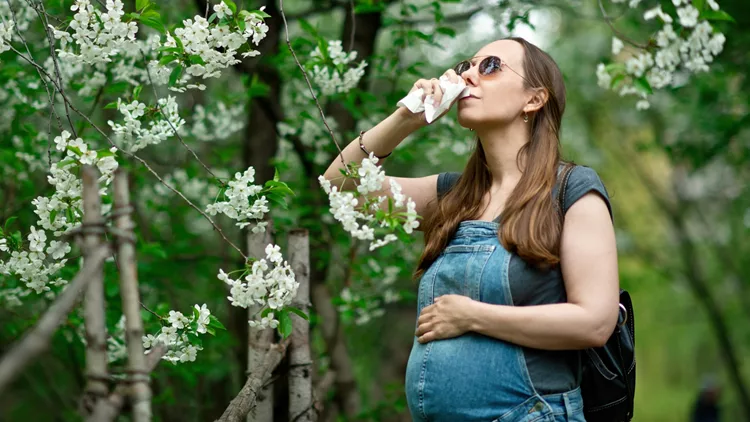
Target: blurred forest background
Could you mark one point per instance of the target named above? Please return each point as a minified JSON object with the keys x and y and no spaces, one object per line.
{"x":677,"y":173}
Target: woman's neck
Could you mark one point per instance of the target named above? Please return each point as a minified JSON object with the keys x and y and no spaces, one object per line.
{"x":501,"y":146}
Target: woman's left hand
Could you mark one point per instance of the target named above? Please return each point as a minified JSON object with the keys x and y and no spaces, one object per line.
{"x":446,"y":318}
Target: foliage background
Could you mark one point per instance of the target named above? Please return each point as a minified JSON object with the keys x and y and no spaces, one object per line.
{"x":677,"y":175}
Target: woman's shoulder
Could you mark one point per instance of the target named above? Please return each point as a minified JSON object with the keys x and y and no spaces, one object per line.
{"x":446,"y":181}
{"x":582,"y":180}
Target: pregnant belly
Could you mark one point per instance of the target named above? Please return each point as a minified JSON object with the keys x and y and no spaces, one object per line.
{"x":467,"y":378}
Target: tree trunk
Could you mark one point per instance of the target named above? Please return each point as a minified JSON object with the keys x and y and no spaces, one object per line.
{"x":96,"y":330}
{"x":259,"y":340}
{"x":300,"y":361}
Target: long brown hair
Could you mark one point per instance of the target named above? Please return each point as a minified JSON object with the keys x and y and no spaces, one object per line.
{"x":531,"y":223}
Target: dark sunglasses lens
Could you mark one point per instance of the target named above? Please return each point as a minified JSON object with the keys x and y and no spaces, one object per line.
{"x":490,"y":65}
{"x":462,"y":67}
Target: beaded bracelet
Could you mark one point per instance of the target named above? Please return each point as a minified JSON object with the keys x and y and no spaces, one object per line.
{"x":362,"y":147}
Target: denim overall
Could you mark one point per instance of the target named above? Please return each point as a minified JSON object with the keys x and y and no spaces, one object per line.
{"x":475,"y":377}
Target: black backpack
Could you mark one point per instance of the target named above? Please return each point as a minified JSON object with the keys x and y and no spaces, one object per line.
{"x":608,"y":382}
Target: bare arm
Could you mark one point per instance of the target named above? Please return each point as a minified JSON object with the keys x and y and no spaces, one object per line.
{"x":381,"y":140}
{"x":589,"y":265}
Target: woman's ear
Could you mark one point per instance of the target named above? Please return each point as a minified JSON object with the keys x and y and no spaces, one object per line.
{"x":537,"y":100}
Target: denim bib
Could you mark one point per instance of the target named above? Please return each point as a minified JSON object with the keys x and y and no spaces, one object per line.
{"x":475,"y":377}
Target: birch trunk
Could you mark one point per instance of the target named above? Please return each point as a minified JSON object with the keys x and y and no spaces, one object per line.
{"x":259,"y":341}
{"x":96,"y":334}
{"x":300,"y":361}
{"x":140,"y":391}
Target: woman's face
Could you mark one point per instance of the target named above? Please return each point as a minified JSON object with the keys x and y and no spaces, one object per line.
{"x":498,"y":98}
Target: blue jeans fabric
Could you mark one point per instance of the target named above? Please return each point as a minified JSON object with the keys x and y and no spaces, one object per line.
{"x":475,"y":377}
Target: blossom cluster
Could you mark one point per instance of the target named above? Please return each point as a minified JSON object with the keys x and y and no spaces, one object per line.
{"x":359,"y":220}
{"x":340,"y":77}
{"x":177,"y":334}
{"x":219,"y":124}
{"x":36,"y":261}
{"x":133,"y":132}
{"x":688,"y":47}
{"x":267,"y":283}
{"x":238,"y":206}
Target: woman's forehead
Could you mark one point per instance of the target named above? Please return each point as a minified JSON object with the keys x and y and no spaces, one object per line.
{"x":508,"y":50}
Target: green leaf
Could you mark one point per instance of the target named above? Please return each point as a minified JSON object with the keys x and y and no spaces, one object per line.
{"x":8,"y":222}
{"x":168,"y":59}
{"x":276,"y":174}
{"x":277,"y":199}
{"x":196,"y":59}
{"x":717,"y":15}
{"x":211,"y":331}
{"x":642,"y":85}
{"x":214,"y":322}
{"x":265,"y":312}
{"x":699,"y":4}
{"x":152,"y":18}
{"x":232,"y":6}
{"x":258,"y":88}
{"x":17,"y":239}
{"x":137,"y":92}
{"x":616,"y":80}
{"x":52,"y":216}
{"x":259,"y":13}
{"x":180,"y":46}
{"x":170,"y":49}
{"x":76,"y":150}
{"x":446,"y":31}
{"x":305,"y":25}
{"x":299,"y":313}
{"x":285,"y":324}
{"x":66,"y":162}
{"x":212,"y":17}
{"x":614,"y":67}
{"x":112,"y":105}
{"x":141,"y":4}
{"x":175,"y":75}
{"x":241,"y":24}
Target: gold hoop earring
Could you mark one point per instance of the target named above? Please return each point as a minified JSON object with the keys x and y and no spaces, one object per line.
{"x":525,"y":117}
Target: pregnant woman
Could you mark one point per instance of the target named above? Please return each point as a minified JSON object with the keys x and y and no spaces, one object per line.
{"x":511,"y":285}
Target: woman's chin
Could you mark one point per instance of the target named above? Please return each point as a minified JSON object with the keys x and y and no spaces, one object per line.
{"x":465,"y":120}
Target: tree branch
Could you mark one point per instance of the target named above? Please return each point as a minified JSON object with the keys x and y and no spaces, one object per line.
{"x":240,"y":406}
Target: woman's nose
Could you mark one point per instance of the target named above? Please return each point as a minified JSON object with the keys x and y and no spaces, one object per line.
{"x":470,"y":76}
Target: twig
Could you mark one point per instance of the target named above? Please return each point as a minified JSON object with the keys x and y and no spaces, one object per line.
{"x":354,"y":26}
{"x":132,"y":155}
{"x":50,"y":94}
{"x":166,"y":118}
{"x":309,"y":85}
{"x":41,"y":12}
{"x":619,"y":34}
{"x":150,"y":311}
{"x":37,"y":339}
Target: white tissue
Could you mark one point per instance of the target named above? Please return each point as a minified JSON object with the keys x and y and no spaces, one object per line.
{"x":451,"y":91}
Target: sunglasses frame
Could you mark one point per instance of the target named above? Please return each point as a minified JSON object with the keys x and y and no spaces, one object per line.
{"x":488,"y":57}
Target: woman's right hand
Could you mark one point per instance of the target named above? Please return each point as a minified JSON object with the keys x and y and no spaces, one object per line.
{"x":431,"y":87}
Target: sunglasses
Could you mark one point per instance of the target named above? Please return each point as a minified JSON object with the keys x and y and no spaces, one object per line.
{"x":488,"y":66}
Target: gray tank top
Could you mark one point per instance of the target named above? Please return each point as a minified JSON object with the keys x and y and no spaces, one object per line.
{"x":551,"y":371}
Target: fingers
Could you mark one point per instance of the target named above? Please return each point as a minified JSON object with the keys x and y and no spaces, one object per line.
{"x":452,"y":75}
{"x":437,"y":92}
{"x":427,"y":337}
{"x":430,"y":87}
{"x":423,"y":328}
